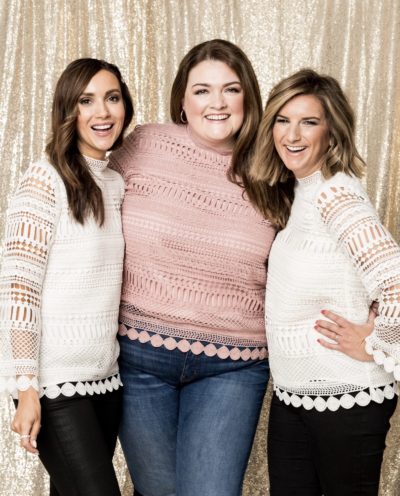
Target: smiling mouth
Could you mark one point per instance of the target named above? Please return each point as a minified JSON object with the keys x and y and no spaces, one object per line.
{"x":295,"y":149}
{"x":217,"y":117}
{"x":102,"y":127}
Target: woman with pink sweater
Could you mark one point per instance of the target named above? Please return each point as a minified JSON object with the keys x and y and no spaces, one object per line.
{"x":193,"y":348}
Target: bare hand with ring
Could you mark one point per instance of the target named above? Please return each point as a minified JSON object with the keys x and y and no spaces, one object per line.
{"x":349,"y":337}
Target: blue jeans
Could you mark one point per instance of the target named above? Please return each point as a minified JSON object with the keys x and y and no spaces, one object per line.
{"x":188,"y":420}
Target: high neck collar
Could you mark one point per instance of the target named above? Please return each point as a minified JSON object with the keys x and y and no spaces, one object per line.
{"x":95,"y":164}
{"x":313,"y":178}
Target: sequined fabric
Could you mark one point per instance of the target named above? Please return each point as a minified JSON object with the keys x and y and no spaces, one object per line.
{"x":356,"y":41}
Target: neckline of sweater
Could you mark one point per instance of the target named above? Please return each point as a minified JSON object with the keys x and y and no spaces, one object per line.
{"x":314,"y":178}
{"x":96,"y":165}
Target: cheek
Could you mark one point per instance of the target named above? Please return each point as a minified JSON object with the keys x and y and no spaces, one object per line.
{"x":322,"y":142}
{"x":275,"y":136}
{"x":80,"y":126}
{"x":191,"y":106}
{"x":121,"y":115}
{"x":238,"y":106}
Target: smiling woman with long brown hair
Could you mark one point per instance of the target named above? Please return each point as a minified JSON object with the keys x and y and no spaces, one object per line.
{"x":193,"y":349}
{"x":60,"y":286}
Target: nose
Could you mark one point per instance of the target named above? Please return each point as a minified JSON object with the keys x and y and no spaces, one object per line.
{"x":293,"y":133}
{"x":218,"y":101}
{"x":102,"y":109}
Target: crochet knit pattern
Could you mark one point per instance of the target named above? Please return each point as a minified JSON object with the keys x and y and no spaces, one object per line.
{"x":195,"y":248}
{"x":334,"y":254}
{"x":60,"y":287}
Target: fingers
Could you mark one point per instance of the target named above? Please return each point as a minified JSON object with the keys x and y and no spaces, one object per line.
{"x":27,"y":425}
{"x":340,"y":321}
{"x":27,"y":435}
{"x":34,"y":434}
{"x":330,"y":346}
{"x":327,"y":332}
{"x":25,"y":443}
{"x":326,"y":325}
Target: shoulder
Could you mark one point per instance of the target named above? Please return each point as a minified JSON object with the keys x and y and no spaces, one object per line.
{"x":147,"y":139}
{"x":342,"y":199}
{"x":339,"y":187}
{"x":160,"y":131}
{"x":41,"y":175}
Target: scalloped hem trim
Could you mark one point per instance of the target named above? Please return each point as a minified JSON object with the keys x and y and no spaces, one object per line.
{"x":333,"y":403}
{"x":68,"y":389}
{"x":196,"y":347}
{"x":83,"y":388}
{"x":381,"y":358}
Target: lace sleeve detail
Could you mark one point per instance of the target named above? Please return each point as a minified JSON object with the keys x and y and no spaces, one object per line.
{"x":353,"y":222}
{"x":30,"y":226}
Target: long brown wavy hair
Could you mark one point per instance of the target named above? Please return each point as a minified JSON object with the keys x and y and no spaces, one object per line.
{"x":271,"y":188}
{"x":236,"y":59}
{"x":84,"y":195}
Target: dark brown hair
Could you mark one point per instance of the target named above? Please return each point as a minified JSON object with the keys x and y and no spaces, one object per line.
{"x":271,"y":188}
{"x":236,"y":59}
{"x":84,"y":195}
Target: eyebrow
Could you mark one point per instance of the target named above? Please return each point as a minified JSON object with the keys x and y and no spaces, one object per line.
{"x":209,"y":85}
{"x":116,"y":90}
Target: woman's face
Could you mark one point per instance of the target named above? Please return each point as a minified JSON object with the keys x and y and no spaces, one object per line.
{"x":213,"y":103}
{"x":301,"y":135}
{"x":101,"y":115}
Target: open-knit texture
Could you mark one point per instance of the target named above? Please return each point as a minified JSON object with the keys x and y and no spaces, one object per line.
{"x":196,"y":249}
{"x":334,"y":254}
{"x":60,"y":287}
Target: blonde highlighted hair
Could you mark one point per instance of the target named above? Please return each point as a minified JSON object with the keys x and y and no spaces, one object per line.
{"x":271,"y":186}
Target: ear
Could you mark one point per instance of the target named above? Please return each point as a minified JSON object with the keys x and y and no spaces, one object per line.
{"x":183,"y":103}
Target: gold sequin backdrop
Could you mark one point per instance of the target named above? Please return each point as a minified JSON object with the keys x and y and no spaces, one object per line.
{"x":356,"y":41}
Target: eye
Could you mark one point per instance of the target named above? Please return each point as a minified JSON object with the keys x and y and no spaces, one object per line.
{"x":310,"y":122}
{"x":281,"y":120}
{"x":114,"y":98}
{"x":233,"y":89}
{"x":84,"y":101}
{"x":201,"y":91}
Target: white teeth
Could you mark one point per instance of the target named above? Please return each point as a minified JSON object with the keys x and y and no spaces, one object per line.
{"x":102,"y":127}
{"x":217,"y":117}
{"x":295,"y":148}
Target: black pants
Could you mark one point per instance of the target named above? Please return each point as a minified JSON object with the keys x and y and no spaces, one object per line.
{"x":76,"y":443}
{"x":311,"y":453}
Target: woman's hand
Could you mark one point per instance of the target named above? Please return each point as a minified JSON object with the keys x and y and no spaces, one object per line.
{"x":348,"y":338}
{"x":26,"y":421}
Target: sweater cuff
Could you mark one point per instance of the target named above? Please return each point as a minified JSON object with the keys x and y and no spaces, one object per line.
{"x":388,"y":362}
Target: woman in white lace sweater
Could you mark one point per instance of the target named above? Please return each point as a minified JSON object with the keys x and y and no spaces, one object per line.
{"x":60,"y":286}
{"x":334,"y":382}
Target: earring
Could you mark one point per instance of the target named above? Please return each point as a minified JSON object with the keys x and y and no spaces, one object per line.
{"x":183,"y":117}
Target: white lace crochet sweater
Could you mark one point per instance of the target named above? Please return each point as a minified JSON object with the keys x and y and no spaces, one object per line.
{"x":60,"y":287}
{"x":334,"y":254}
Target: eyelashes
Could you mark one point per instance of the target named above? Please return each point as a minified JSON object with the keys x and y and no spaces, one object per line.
{"x":307,"y":122}
{"x":230,"y":89}
{"x":111,"y":98}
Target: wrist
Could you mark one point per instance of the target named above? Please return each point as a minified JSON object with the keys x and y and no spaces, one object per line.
{"x":27,"y":383}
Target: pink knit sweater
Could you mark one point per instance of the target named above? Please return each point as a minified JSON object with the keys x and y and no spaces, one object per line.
{"x":196,"y":251}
